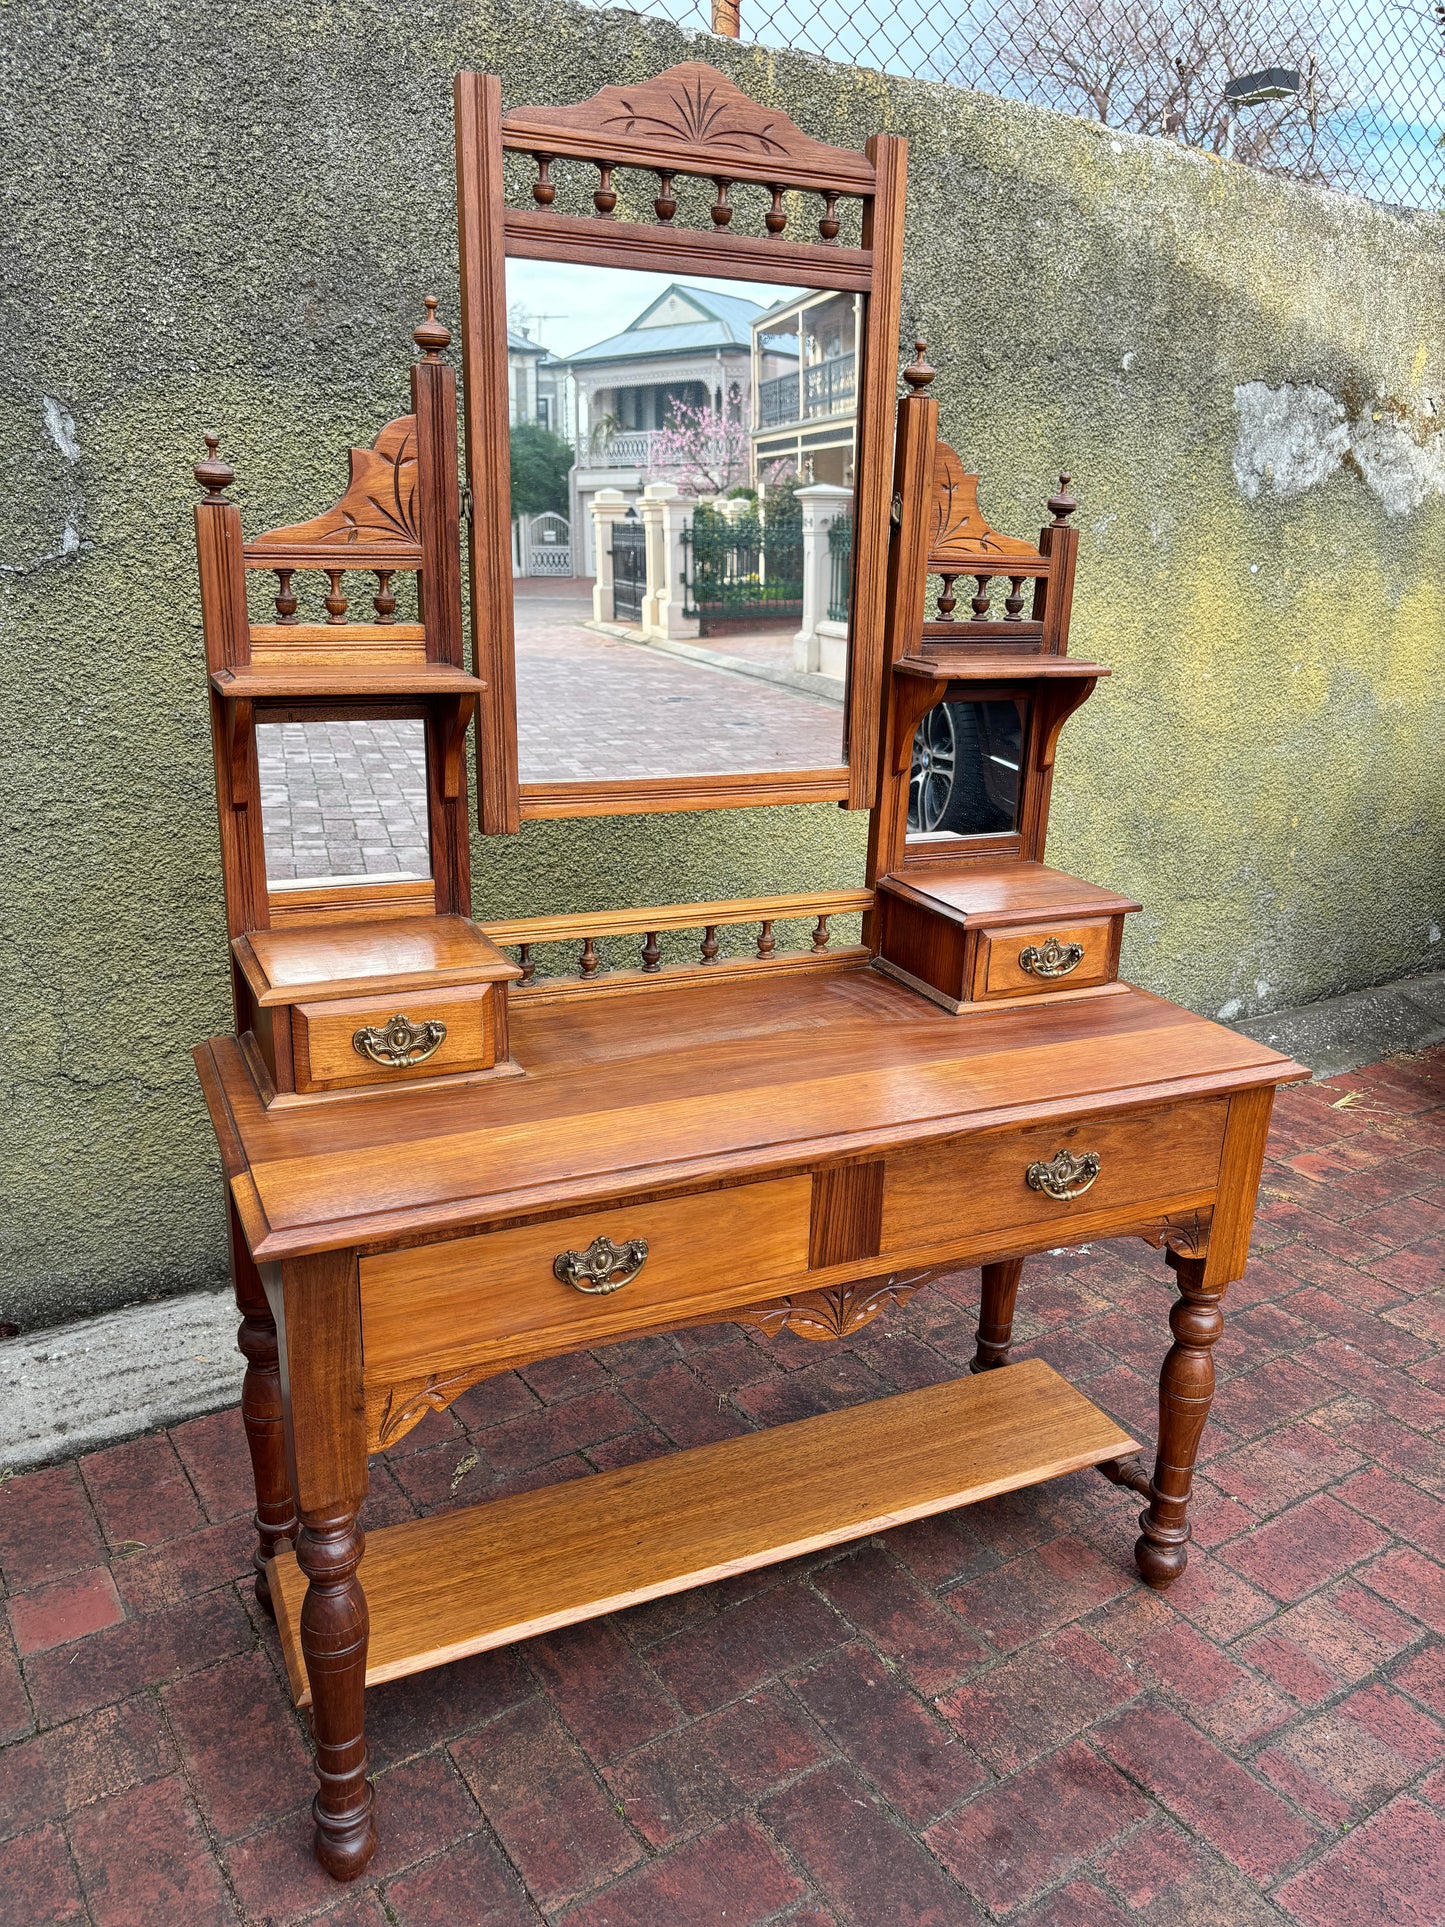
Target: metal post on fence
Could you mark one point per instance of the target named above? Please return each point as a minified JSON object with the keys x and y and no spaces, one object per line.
{"x":727,"y":18}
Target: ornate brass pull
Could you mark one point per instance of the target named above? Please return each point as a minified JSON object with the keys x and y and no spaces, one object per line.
{"x":1064,"y":1176}
{"x":399,"y":1042}
{"x":609,"y":1266}
{"x":1051,"y":958}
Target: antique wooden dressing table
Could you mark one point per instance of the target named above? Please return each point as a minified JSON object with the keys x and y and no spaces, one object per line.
{"x":443,"y":1162}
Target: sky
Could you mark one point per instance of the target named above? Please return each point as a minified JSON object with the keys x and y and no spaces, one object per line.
{"x":569,"y":306}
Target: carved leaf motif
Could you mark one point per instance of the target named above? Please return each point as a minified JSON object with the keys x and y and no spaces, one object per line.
{"x":699,"y":109}
{"x":406,"y":1405}
{"x":1186,"y":1232}
{"x":834,"y":1312}
{"x":378,"y":508}
{"x":959,"y":529}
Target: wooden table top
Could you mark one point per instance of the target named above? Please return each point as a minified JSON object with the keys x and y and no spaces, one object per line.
{"x":628,"y":1094}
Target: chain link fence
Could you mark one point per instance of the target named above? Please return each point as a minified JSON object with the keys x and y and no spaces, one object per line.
{"x":1347,"y":94}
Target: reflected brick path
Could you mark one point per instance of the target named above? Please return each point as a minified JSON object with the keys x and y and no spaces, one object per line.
{"x":591,"y":706}
{"x":980,"y":1717}
{"x":343,"y":799}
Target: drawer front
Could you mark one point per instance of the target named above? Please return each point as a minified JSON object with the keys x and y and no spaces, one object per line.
{"x":327,"y":1059}
{"x":1045,"y":956}
{"x":449,"y":1304}
{"x":969,"y":1187}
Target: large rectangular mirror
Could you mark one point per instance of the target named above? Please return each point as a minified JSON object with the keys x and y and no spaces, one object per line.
{"x":683,"y":452}
{"x":679,"y":331}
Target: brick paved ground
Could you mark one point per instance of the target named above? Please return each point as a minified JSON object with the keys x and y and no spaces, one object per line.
{"x":978,"y":1717}
{"x":590,"y":706}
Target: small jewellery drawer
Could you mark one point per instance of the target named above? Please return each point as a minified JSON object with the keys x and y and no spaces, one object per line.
{"x":969,"y":1187}
{"x":433,"y":1306}
{"x":1046,"y":956}
{"x":393,"y":1039}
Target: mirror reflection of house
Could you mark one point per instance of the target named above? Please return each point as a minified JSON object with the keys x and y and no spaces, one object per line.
{"x":689,"y":345}
{"x":804,"y":369}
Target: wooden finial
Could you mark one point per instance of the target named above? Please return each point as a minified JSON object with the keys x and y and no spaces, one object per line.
{"x":918,"y":374}
{"x":1062,"y":505}
{"x":431,"y":337}
{"x":213,"y":474}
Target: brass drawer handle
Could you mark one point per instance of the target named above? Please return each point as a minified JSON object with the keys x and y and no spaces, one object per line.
{"x":400,"y":1042}
{"x":599,"y":1262}
{"x":1064,"y":1176}
{"x":1051,"y":958}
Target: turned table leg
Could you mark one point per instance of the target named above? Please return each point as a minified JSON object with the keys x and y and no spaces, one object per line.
{"x":1186,"y":1390}
{"x":334,"y":1631}
{"x":275,"y":1514}
{"x":996,"y":1314}
{"x":316,"y":1301}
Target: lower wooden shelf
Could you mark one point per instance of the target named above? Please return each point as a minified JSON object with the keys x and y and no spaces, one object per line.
{"x":438,"y":1589}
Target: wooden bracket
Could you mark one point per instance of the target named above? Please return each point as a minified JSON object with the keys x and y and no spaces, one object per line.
{"x":1063,"y":699}
{"x":454,"y":746}
{"x":240,"y":717}
{"x":912,"y":700}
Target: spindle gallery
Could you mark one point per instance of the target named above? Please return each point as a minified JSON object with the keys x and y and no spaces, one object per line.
{"x":454,"y":1147}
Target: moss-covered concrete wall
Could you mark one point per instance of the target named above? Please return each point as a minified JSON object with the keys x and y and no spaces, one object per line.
{"x":228,"y":216}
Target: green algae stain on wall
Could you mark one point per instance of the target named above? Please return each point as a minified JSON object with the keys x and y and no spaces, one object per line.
{"x":1262,"y":770}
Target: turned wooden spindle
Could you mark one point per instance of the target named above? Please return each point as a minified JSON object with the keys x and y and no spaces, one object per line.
{"x":776,"y":218}
{"x":767,"y":942}
{"x":1013,"y":602}
{"x":524,"y":958}
{"x":1186,"y":1390}
{"x":384,"y":602}
{"x":947,"y":601}
{"x":709,"y":943}
{"x":1062,"y":505}
{"x":214,"y":475}
{"x":587,"y":966}
{"x":285,"y":600}
{"x":544,"y":190}
{"x":721,"y":210}
{"x":604,"y":199}
{"x":996,"y":1315}
{"x":821,"y":934}
{"x":336,"y":603}
{"x":665,"y":206}
{"x":829,"y":225}
{"x":334,"y":1632}
{"x":651,"y":952}
{"x":979,"y":602}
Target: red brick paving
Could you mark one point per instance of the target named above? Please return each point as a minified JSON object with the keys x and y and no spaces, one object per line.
{"x":978,"y":1717}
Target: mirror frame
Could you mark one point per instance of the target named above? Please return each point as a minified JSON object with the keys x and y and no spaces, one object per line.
{"x":693,"y":122}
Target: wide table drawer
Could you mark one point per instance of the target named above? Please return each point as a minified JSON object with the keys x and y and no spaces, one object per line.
{"x":451,"y":1304}
{"x":1046,"y":956}
{"x":967,"y":1187}
{"x":398,"y":1038}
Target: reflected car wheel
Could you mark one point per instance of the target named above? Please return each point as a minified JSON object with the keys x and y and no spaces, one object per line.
{"x":945,"y":785}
